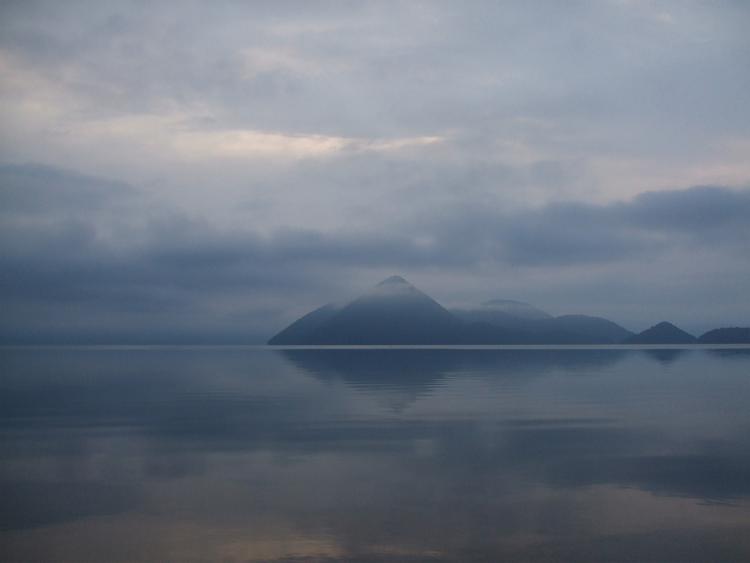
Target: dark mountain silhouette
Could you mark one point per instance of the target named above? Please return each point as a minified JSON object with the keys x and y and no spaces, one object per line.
{"x":500,"y":320}
{"x":567,"y":329}
{"x":301,"y":329}
{"x":731,"y":335}
{"x":583,"y":329}
{"x":522,"y":323}
{"x":662,"y":333}
{"x":395,"y":312}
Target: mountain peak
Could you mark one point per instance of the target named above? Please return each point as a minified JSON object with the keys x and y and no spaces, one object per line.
{"x":392,"y":312}
{"x":394,"y":280}
{"x":391,"y":287}
{"x":663,"y":333}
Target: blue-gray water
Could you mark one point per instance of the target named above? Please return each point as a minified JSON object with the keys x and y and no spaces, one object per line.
{"x":242,"y":454}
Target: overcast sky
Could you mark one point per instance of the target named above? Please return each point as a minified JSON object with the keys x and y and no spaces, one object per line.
{"x":184,"y":171}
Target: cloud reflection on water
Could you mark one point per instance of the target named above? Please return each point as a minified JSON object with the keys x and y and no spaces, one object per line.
{"x":358,"y":454}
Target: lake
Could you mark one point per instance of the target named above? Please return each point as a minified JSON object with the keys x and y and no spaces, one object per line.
{"x":345,"y":455}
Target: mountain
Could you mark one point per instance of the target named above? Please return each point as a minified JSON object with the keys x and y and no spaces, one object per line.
{"x":584,"y":329}
{"x":299,"y":330}
{"x":396,"y":312}
{"x":502,"y":313}
{"x":522,"y":323}
{"x":662,"y":333}
{"x":393,"y":312}
{"x":733,"y":335}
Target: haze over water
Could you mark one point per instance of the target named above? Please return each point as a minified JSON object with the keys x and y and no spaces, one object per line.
{"x":252,"y":454}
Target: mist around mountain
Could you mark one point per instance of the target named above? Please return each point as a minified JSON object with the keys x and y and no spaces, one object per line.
{"x":502,"y":311}
{"x":395,"y":312}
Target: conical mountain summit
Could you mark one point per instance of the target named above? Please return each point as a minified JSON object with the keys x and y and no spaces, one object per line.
{"x":392,"y":312}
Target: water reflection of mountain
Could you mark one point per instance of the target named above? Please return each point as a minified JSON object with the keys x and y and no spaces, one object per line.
{"x":515,"y":444}
{"x":398,"y":377}
{"x":425,"y":368}
{"x":738,"y":353}
{"x":665,"y":356}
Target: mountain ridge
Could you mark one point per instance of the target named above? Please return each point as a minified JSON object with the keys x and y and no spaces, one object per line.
{"x":727,"y":335}
{"x":395,"y":312}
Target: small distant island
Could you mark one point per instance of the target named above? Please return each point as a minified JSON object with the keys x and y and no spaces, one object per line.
{"x":394,"y":312}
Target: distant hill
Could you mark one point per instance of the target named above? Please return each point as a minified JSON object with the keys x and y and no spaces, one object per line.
{"x":733,"y":335}
{"x":522,"y":323}
{"x":662,"y":333}
{"x":583,"y":329}
{"x":395,"y":312}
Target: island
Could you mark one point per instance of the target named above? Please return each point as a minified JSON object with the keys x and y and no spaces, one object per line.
{"x":395,"y":312}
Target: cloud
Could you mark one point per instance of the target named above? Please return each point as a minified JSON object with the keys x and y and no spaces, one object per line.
{"x":579,"y":233}
{"x":35,"y":189}
{"x":699,"y":212}
{"x":244,"y":143}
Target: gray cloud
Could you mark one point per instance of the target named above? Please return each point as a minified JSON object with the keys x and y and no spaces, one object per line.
{"x":700,"y":212}
{"x":393,"y":67}
{"x":575,"y":233}
{"x":34,"y":189}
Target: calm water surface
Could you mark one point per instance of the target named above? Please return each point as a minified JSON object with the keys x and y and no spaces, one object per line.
{"x":242,"y":454}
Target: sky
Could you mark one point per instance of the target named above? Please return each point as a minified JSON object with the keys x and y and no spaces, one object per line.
{"x":210,"y":171}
